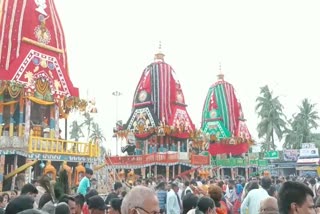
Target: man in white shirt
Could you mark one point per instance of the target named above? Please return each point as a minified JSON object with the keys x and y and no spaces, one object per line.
{"x":254,"y":197}
{"x":173,"y":200}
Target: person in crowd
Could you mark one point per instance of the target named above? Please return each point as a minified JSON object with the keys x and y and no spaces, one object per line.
{"x":187,"y":189}
{"x":84,"y":185}
{"x":254,"y":197}
{"x":33,"y":211}
{"x":94,"y":183}
{"x":246,"y":187}
{"x":173,"y":200}
{"x":115,"y":206}
{"x":295,"y":198}
{"x":20,"y":203}
{"x":162,"y":196}
{"x":269,"y":205}
{"x":13,"y":194}
{"x":62,"y":208}
{"x":231,"y":195}
{"x":70,"y":201}
{"x":189,"y":202}
{"x":205,"y":206}
{"x":140,"y":200}
{"x":215,"y":192}
{"x":313,"y":186}
{"x":6,"y":199}
{"x":79,"y":199}
{"x":91,"y":193}
{"x":96,"y":205}
{"x":29,"y":189}
{"x":117,"y":189}
{"x":272,"y":191}
{"x":45,"y":198}
{"x":237,"y":202}
{"x":49,"y":207}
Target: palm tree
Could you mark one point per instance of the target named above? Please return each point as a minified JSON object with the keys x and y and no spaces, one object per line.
{"x":97,"y":137}
{"x":292,"y":139}
{"x":269,"y":109}
{"x":76,"y":132}
{"x":301,"y":125}
{"x":87,"y":122}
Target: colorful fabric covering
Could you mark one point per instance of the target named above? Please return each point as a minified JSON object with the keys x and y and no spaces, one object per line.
{"x":32,"y":45}
{"x":160,"y":92}
{"x":222,"y":117}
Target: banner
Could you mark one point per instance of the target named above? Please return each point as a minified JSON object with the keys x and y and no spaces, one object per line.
{"x":290,"y":154}
{"x":271,"y":155}
{"x":313,"y":152}
{"x":235,"y":149}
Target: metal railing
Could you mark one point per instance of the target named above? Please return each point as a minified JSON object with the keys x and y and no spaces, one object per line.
{"x":62,"y":147}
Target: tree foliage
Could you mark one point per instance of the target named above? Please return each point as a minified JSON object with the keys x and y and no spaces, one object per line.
{"x":301,"y":126}
{"x":272,"y":120}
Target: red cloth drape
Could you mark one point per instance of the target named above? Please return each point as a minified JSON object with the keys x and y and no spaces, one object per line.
{"x":219,"y":148}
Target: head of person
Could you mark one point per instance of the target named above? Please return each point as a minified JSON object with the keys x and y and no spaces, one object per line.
{"x":215,"y":193}
{"x":45,"y":198}
{"x":205,"y":205}
{"x":117,"y":187}
{"x":115,"y":206}
{"x":175,"y":186}
{"x":189,"y":201}
{"x":239,"y":189}
{"x":92,"y":192}
{"x":161,"y":185}
{"x":269,"y":206}
{"x":295,"y":198}
{"x":70,"y":201}
{"x":32,"y":211}
{"x":252,"y":185}
{"x":140,"y":200}
{"x":62,"y":207}
{"x":6,"y":198}
{"x":13,"y":194}
{"x":29,"y":189}
{"x":220,"y":184}
{"x":79,"y":199}
{"x":49,"y":207}
{"x":94,"y":181}
{"x":20,"y":203}
{"x":266,"y":182}
{"x":272,"y":191}
{"x":89,"y":173}
{"x":96,"y":205}
{"x":231,"y":184}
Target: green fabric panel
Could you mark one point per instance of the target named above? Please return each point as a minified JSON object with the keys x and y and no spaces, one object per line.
{"x":222,"y":104}
{"x":224,"y":132}
{"x":206,"y":112}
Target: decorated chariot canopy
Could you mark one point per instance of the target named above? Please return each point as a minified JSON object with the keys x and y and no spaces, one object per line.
{"x":223,"y":120}
{"x":33,"y":56}
{"x":159,"y":106}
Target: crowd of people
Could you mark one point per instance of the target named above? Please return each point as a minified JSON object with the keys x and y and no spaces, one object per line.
{"x":258,"y":195}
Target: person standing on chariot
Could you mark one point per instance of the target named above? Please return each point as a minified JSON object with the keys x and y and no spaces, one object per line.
{"x":84,"y":184}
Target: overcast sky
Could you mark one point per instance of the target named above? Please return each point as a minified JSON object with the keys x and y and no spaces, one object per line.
{"x":273,"y":42}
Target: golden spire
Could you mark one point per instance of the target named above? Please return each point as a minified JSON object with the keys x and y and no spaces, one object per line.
{"x":159,"y":56}
{"x":220,"y":75}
